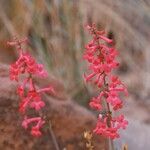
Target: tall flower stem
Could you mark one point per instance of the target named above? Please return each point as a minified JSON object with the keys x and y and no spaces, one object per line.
{"x":101,"y":56}
{"x":53,"y":136}
{"x":30,"y":98}
{"x":110,"y":141}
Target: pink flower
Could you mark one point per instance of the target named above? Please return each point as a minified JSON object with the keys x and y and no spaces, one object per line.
{"x":121,"y":122}
{"x":104,"y":130}
{"x":35,"y":131}
{"x":47,"y":89}
{"x":41,"y":71}
{"x":33,"y":99}
{"x":101,"y":57}
{"x":95,"y":103}
{"x":27,"y":121}
{"x":20,"y":91}
{"x":26,"y":64}
{"x":29,"y":94}
{"x":114,"y":100}
{"x":89,"y":77}
{"x":37,"y":105}
{"x":24,"y":104}
{"x":110,"y":131}
{"x":105,"y":39}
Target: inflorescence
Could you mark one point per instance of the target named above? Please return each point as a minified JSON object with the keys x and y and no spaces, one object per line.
{"x":29,"y":95}
{"x":101,"y":57}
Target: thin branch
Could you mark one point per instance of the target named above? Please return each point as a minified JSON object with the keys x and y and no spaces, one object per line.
{"x":53,"y":136}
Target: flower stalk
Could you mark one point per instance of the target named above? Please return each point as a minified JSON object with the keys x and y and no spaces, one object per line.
{"x":29,"y":95}
{"x":101,"y":57}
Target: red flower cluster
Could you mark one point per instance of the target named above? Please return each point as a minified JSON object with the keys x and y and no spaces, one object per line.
{"x":101,"y":55}
{"x":35,"y":131}
{"x":29,"y":95}
{"x":26,"y":64}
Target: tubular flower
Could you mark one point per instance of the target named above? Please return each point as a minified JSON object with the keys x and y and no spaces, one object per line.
{"x":26,"y":64}
{"x":101,"y":58}
{"x":35,"y":131}
{"x":30,"y":96}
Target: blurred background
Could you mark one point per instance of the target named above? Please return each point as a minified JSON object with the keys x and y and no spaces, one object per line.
{"x":57,"y":37}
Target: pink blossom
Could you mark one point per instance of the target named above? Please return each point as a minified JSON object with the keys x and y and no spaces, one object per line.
{"x":101,"y":58}
{"x":27,"y":121}
{"x":110,"y":131}
{"x":114,"y":100}
{"x":35,"y":131}
{"x":29,"y":94}
{"x":121,"y":122}
{"x":46,"y":89}
{"x":105,"y":38}
{"x":95,"y":103}
{"x":24,"y":104}
{"x":26,"y":64}
{"x":20,"y":91}
{"x":104,"y":130}
{"x":37,"y":105}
